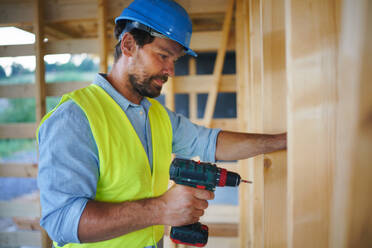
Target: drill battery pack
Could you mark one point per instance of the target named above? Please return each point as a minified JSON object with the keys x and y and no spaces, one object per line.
{"x":195,"y":234}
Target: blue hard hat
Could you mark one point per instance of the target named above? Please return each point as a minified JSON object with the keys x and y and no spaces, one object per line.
{"x":164,"y":16}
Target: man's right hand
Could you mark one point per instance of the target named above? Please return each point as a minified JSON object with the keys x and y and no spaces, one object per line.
{"x":184,"y":205}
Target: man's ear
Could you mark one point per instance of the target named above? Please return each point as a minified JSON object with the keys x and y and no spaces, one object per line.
{"x":128,"y":45}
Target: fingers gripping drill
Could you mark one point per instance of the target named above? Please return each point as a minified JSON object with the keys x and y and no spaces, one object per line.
{"x":204,"y":176}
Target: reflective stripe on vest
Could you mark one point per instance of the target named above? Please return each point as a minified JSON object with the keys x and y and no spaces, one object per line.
{"x":125,"y":173}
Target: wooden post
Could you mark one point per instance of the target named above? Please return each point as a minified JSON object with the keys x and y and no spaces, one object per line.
{"x":169,"y":94}
{"x":102,"y":35}
{"x":274,"y":107}
{"x":352,"y":202}
{"x":193,"y":101}
{"x":40,"y":89}
{"x":218,"y":66}
{"x":311,"y":52}
{"x":39,"y":56}
{"x":242,"y":55}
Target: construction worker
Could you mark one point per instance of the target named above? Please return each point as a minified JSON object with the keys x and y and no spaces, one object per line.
{"x":105,"y":150}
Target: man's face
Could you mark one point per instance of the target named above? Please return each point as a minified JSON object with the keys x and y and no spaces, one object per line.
{"x":152,"y":65}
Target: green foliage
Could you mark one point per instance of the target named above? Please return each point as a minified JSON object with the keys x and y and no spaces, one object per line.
{"x":23,"y":110}
{"x":10,"y":146}
{"x":18,"y":69}
{"x":2,"y":72}
{"x":18,"y":110}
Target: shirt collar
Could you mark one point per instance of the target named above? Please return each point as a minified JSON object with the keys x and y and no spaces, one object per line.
{"x":123,"y":102}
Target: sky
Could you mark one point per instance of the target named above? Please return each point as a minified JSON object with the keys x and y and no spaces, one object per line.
{"x":15,"y":36}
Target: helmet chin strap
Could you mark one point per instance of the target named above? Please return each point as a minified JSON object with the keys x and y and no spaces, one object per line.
{"x":133,"y":24}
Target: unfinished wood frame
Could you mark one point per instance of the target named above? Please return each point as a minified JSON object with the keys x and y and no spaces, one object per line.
{"x":102,"y":35}
{"x":351,"y":218}
{"x":312,"y":31}
{"x":261,"y":84}
{"x":218,"y":66}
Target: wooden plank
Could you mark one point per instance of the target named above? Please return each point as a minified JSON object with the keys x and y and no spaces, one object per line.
{"x":17,"y":50}
{"x":59,"y":89}
{"x":20,"y":11}
{"x":210,"y":41}
{"x":311,"y":52}
{"x":18,"y":170}
{"x":53,"y":47}
{"x":225,"y":124}
{"x":181,"y":84}
{"x":218,"y":66}
{"x":17,"y":91}
{"x":202,"y":84}
{"x":222,"y":230}
{"x":351,"y":219}
{"x":221,"y":214}
{"x":40,"y":95}
{"x":169,"y":94}
{"x":19,"y":209}
{"x":18,"y":131}
{"x":246,"y":194}
{"x":193,"y":7}
{"x":200,"y":42}
{"x":274,"y":99}
{"x":20,"y":238}
{"x":102,"y":35}
{"x":193,"y":101}
{"x":72,"y":46}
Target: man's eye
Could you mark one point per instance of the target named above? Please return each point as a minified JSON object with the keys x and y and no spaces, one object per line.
{"x":163,"y":56}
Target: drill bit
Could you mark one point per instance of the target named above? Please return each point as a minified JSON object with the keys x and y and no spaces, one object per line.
{"x":245,"y":181}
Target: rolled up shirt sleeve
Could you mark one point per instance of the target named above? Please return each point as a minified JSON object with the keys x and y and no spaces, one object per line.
{"x":190,"y":140}
{"x":68,"y":171}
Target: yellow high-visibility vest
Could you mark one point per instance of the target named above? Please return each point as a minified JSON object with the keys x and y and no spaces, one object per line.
{"x":124,"y":170}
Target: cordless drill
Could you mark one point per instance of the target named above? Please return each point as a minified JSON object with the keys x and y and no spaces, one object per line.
{"x":203,"y":176}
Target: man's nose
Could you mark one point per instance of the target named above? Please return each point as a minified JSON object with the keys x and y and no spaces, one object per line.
{"x":169,"y":69}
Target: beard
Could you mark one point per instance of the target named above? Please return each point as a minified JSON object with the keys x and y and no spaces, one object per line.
{"x":147,"y":87}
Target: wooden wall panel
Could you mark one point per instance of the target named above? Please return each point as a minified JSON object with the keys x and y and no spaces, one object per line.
{"x":274,"y":98}
{"x":352,"y":202}
{"x":311,"y":53}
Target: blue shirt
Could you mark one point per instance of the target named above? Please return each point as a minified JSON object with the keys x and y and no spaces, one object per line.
{"x":69,"y":163}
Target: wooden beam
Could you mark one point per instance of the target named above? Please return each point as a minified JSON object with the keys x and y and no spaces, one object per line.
{"x":351,"y":209}
{"x":59,"y":89}
{"x":242,"y":55}
{"x":40,"y":95}
{"x":19,"y":209}
{"x":18,"y":131}
{"x":210,"y":41}
{"x":221,"y":214}
{"x":169,"y":94}
{"x":225,"y":124}
{"x":274,"y":115}
{"x":188,"y":84}
{"x":312,"y":30}
{"x":72,"y":46}
{"x":193,"y":100}
{"x":18,"y":170}
{"x":20,"y":238}
{"x":17,"y":50}
{"x":102,"y":35}
{"x":17,"y":91}
{"x":181,"y":84}
{"x":52,"y":47}
{"x":20,"y":11}
{"x":218,"y":66}
{"x":200,"y":42}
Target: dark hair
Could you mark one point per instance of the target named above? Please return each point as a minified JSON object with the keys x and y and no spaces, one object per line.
{"x":141,"y":37}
